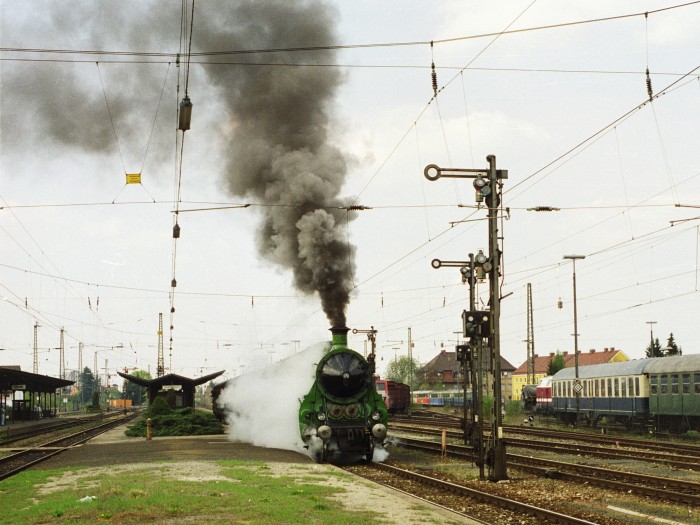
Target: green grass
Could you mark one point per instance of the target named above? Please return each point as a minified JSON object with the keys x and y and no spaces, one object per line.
{"x":248,"y":494}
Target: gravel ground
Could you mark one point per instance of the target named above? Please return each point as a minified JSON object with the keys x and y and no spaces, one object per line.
{"x":194,"y":458}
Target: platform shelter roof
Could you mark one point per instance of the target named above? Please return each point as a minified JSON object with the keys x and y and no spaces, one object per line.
{"x":11,"y":378}
{"x":170,"y":379}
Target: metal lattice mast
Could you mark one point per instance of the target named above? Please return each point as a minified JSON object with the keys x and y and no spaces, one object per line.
{"x":80,"y":364}
{"x":530,"y":339}
{"x":35,"y":368}
{"x":62,"y":357}
{"x":161,"y":359}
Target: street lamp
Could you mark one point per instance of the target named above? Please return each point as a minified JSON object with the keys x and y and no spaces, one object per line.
{"x":577,"y":385}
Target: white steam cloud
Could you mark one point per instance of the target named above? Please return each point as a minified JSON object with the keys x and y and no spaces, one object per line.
{"x":263,"y":407}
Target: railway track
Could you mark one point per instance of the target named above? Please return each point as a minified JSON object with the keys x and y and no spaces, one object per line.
{"x":453,"y":422}
{"x":19,"y":461}
{"x":652,"y":486}
{"x":17,"y":436}
{"x":666,"y":454}
{"x":452,"y":496}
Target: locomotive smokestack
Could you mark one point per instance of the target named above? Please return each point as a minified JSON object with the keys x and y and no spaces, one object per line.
{"x":340,"y":336}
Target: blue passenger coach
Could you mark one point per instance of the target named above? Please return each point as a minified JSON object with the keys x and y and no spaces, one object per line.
{"x":617,"y":391}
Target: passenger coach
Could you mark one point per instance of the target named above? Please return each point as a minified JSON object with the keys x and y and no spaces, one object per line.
{"x":674,"y":392}
{"x":617,"y":391}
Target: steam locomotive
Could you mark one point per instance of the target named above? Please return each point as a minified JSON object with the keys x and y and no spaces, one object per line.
{"x":343,"y":415}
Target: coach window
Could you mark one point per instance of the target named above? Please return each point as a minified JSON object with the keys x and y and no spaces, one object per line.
{"x":696,"y":380}
{"x":653,"y":384}
{"x":602,"y":388}
{"x":663,"y":380}
{"x":610,"y":390}
{"x":623,"y":387}
{"x":617,"y":387}
{"x":674,"y":384}
{"x":597,"y":390}
{"x":636,"y":386}
{"x":686,"y":383}
{"x":630,"y":387}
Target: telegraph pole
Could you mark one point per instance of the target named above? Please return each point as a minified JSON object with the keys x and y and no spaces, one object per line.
{"x":530,"y":339}
{"x":486,"y":324}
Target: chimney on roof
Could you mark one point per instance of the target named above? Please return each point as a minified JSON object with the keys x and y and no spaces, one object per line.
{"x":565,"y":353}
{"x":551,"y":354}
{"x":535,"y":356}
{"x":591,"y":351}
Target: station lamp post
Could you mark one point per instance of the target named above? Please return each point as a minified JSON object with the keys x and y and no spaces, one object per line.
{"x":577,"y":383}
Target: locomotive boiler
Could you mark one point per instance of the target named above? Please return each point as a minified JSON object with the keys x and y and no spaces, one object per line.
{"x":343,"y":415}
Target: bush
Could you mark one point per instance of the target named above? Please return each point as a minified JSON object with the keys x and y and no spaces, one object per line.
{"x":691,"y":434}
{"x":182,"y":422}
{"x":159,"y":407}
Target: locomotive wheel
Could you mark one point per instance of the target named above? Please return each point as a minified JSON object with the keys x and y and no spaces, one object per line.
{"x":370,"y":451}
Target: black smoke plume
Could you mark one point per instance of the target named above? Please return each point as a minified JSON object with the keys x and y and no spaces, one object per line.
{"x":277,"y":150}
{"x":279,"y":153}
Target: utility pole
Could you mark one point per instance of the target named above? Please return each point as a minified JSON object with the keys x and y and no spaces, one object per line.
{"x":577,"y":381}
{"x":482,"y":324}
{"x":410,"y":368}
{"x":530,"y":339}
{"x":651,"y":331}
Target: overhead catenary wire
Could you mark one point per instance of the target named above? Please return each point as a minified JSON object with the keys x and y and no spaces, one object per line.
{"x":354,"y":46}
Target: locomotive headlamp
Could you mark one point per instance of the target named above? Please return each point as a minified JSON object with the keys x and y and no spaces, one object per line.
{"x":379,"y":432}
{"x":376,"y":415}
{"x":321,"y":416}
{"x":335,"y":411}
{"x":324,"y":432}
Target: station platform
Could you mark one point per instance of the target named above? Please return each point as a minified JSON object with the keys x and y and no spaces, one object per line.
{"x":195,"y":458}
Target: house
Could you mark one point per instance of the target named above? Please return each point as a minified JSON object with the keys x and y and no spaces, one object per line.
{"x":519,"y":377}
{"x":444,"y":372}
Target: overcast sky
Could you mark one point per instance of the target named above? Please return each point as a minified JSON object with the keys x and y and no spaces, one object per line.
{"x":556,"y":90}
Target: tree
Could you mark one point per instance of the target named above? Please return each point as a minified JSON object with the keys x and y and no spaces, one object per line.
{"x":401,"y":369}
{"x":135,"y":392}
{"x":556,"y":363}
{"x":671,"y":347}
{"x":654,"y":349}
{"x":87,"y":380}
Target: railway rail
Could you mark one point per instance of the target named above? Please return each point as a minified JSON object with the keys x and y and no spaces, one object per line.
{"x":609,"y":449}
{"x":423,"y":485}
{"x":18,"y":435}
{"x":685,"y":492}
{"x":19,"y":461}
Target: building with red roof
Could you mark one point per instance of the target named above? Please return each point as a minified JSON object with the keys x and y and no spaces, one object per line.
{"x":591,"y":357}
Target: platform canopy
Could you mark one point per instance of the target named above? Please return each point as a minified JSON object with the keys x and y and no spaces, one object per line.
{"x":12,"y":378}
{"x":167,"y":382}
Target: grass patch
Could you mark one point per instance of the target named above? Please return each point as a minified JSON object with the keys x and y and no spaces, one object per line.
{"x":235,"y":492}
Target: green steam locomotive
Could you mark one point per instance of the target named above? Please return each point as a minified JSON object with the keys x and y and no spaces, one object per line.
{"x":343,"y":415}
